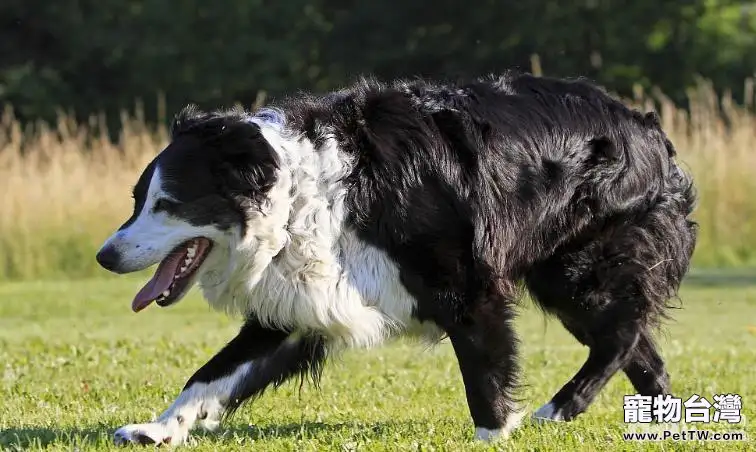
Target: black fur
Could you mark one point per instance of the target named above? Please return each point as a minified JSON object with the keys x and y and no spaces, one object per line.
{"x":473,"y":188}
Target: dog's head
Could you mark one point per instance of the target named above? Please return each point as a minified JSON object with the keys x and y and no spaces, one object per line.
{"x":198,"y":201}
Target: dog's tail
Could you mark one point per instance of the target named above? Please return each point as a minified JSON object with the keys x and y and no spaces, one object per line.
{"x":672,"y":230}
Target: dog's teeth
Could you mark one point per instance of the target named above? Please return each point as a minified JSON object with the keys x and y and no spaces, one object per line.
{"x":183,"y":269}
{"x":191,"y":251}
{"x":166,"y":293}
{"x":187,"y":261}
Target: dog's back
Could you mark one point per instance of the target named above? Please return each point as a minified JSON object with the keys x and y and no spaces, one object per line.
{"x":517,"y":165}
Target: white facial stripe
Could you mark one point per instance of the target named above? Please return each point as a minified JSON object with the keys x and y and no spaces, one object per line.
{"x":153,"y":235}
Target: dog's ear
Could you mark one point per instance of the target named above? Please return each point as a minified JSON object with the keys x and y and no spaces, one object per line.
{"x":247,"y":163}
{"x":240,"y":158}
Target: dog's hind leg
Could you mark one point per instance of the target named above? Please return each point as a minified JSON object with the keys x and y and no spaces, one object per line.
{"x":605,"y":309}
{"x":644,"y":367}
{"x":610,"y":292}
{"x":254,"y":360}
{"x":646,"y":370}
{"x":611,"y":347}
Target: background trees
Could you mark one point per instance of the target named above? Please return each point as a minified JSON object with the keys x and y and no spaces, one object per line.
{"x":92,"y":56}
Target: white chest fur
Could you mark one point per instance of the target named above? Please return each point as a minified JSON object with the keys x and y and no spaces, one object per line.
{"x":352,"y":294}
{"x":299,"y":268}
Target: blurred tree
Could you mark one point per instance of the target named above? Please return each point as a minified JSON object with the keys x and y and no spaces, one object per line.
{"x":91,"y":56}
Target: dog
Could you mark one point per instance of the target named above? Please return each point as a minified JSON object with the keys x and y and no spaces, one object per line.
{"x":414,"y":207}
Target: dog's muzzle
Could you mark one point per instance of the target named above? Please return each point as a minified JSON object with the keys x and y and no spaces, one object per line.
{"x":109,"y":259}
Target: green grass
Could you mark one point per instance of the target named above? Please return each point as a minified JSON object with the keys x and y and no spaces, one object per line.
{"x":75,"y":364}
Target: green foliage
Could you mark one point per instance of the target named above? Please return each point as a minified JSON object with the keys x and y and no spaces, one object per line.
{"x":91,"y":56}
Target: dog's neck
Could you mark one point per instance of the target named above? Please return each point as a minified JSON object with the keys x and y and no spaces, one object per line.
{"x":294,"y":241}
{"x":301,"y":267}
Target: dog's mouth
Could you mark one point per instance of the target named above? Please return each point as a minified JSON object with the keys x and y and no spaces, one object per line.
{"x":174,"y":275}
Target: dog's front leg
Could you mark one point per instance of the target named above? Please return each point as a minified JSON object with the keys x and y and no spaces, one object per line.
{"x":254,"y":359}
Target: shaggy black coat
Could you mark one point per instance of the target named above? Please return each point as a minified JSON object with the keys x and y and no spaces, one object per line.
{"x":473,"y":188}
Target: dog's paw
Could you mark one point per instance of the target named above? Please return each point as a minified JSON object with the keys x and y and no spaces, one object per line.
{"x":144,"y":434}
{"x":498,"y":434}
{"x":547,"y":413}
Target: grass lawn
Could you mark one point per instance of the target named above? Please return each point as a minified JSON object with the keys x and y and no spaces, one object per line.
{"x":76,"y":363}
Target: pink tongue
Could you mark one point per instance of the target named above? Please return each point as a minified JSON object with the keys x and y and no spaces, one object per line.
{"x":159,"y":283}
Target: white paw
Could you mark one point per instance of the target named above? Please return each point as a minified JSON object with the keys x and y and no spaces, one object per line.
{"x":498,"y":434}
{"x":547,"y":413}
{"x":154,"y":433}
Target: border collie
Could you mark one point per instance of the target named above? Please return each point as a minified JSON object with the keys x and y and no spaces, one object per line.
{"x":414,"y":207}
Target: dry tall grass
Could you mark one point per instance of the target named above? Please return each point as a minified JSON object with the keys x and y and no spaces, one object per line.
{"x":64,"y":189}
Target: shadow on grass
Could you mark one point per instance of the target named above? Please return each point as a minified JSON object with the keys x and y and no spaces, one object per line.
{"x":307,"y":430}
{"x":18,"y":439}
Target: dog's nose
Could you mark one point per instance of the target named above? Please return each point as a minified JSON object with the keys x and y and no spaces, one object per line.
{"x":108,"y":258}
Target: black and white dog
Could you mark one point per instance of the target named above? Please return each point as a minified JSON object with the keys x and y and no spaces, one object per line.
{"x":387,"y":208}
